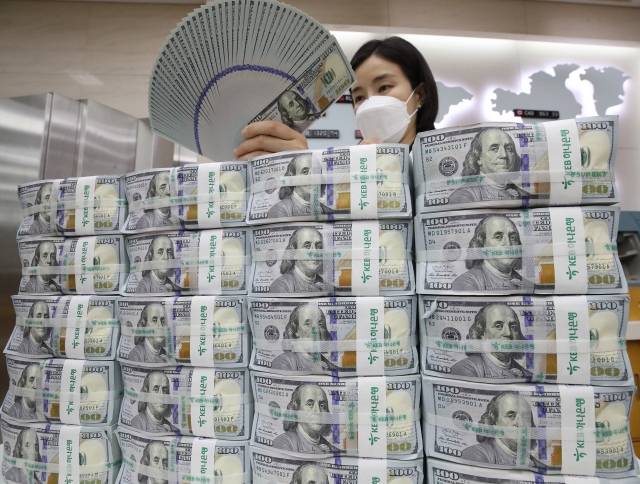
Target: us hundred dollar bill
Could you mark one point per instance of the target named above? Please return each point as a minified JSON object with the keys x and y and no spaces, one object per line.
{"x":554,"y":339}
{"x":558,"y":250}
{"x":443,"y":472}
{"x":81,"y":265}
{"x":80,"y":327}
{"x":321,"y":416}
{"x":359,"y":258}
{"x":354,"y":182}
{"x":553,"y":429}
{"x":567,"y":162}
{"x":91,"y":205}
{"x":191,"y":197}
{"x":277,"y":468}
{"x":185,"y":400}
{"x":326,"y":77}
{"x":182,"y":459}
{"x":345,"y":336}
{"x":208,"y":331}
{"x":207,"y":262}
{"x":50,"y":453}
{"x":79,"y":392}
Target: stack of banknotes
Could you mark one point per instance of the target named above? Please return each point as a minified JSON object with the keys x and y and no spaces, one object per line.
{"x":65,"y":387}
{"x":206,"y":331}
{"x":335,"y":379}
{"x":526,"y":339}
{"x":203,"y":262}
{"x":522,"y":311}
{"x":165,"y":459}
{"x":91,"y":205}
{"x":191,"y":197}
{"x":185,"y":339}
{"x":336,"y":340}
{"x":81,"y":327}
{"x":551,"y":429}
{"x":272,"y":467}
{"x":512,"y":165}
{"x":230,"y":63}
{"x":332,"y":184}
{"x":55,"y":453}
{"x":443,"y":472}
{"x":74,"y":265}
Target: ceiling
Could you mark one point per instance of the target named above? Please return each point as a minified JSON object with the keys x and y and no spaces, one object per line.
{"x":616,"y":3}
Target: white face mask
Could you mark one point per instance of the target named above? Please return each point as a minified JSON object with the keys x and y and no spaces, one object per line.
{"x":384,"y":117}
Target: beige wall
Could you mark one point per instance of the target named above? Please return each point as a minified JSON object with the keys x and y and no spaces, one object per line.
{"x":104,"y":51}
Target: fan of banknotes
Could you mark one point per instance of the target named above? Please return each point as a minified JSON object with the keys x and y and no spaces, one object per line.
{"x":231,"y":63}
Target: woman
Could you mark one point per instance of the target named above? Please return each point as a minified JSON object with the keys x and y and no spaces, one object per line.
{"x":394,"y":98}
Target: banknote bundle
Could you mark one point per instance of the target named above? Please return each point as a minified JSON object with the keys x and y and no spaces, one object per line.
{"x":79,"y":392}
{"x":36,"y":453}
{"x":335,"y":336}
{"x":90,"y":205}
{"x":81,"y":327}
{"x":186,"y":400}
{"x":231,"y":63}
{"x":275,"y":468}
{"x":502,"y":165}
{"x":179,"y":460}
{"x":207,"y":262}
{"x":350,"y":183}
{"x":359,"y":258}
{"x":191,"y":197}
{"x":443,"y":472}
{"x":206,"y":331}
{"x":77,"y":265}
{"x":554,"y":339}
{"x":559,"y":250}
{"x":552,"y":429}
{"x":315,"y":416}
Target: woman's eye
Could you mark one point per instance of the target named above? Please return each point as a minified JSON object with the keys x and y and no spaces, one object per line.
{"x":384,"y":88}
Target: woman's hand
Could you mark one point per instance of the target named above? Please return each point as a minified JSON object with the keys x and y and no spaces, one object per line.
{"x":266,"y":137}
{"x":371,"y":142}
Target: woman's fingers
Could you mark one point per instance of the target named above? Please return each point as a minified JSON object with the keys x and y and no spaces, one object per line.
{"x":262,"y":143}
{"x":269,"y":128}
{"x":370,"y":142}
{"x":247,"y":156}
{"x":269,"y":137}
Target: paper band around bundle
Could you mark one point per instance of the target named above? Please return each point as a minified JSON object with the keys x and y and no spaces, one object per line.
{"x":191,"y":262}
{"x":168,"y":331}
{"x":66,"y":322}
{"x":172,"y":476}
{"x":74,"y":205}
{"x":329,"y":254}
{"x":56,"y":467}
{"x":176,"y":399}
{"x":358,"y":345}
{"x":592,"y":434}
{"x":198,"y":199}
{"x":40,"y":395}
{"x":73,"y":269}
{"x":557,"y":346}
{"x":328,"y":178}
{"x":358,"y":416}
{"x":524,"y":250}
{"x":542,"y":176}
{"x":565,"y":158}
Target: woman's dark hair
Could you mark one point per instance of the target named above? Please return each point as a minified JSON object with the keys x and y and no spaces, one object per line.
{"x":413,"y":65}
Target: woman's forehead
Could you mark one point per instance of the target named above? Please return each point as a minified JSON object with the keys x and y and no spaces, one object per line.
{"x":376,"y":69}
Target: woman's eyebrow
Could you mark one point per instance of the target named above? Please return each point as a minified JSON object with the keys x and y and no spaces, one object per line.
{"x":383,"y":77}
